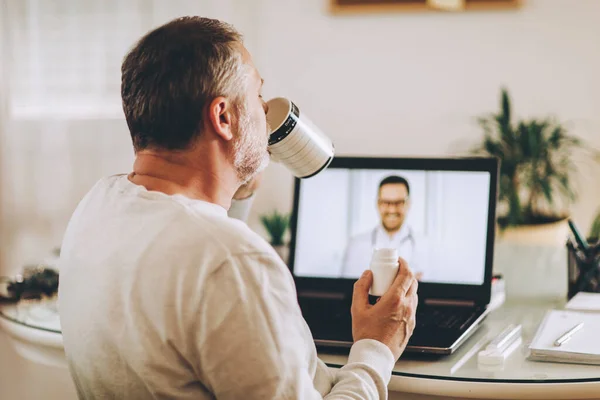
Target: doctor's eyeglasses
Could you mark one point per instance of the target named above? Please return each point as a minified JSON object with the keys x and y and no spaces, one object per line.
{"x":389,"y":203}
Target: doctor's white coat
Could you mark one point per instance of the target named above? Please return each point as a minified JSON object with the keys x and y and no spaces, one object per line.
{"x":359,"y":250}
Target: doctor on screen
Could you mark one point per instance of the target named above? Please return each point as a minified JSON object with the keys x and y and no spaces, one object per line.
{"x":393,"y":203}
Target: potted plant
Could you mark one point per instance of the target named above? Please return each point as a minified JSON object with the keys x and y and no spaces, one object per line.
{"x":276,"y":224}
{"x":535,"y":182}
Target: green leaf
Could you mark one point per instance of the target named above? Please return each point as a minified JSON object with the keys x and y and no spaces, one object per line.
{"x":276,"y":225}
{"x":505,"y":106}
{"x":547,"y":190}
{"x":564,"y":185}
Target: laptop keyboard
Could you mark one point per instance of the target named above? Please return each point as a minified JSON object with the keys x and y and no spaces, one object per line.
{"x":456,"y":318}
{"x":436,"y":327}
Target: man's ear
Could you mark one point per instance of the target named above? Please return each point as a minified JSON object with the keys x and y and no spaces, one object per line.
{"x":220,"y":117}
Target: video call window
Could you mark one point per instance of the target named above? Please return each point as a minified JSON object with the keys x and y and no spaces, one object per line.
{"x":436,"y":219}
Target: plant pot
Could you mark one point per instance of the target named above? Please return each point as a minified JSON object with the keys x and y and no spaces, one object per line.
{"x":552,"y":234}
{"x":283,"y":251}
{"x":532,"y":259}
{"x":532,"y":271}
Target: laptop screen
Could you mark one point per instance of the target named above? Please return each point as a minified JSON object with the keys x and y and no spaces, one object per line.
{"x":437,"y":219}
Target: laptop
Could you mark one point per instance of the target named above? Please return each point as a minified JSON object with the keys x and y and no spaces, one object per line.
{"x":440,"y":215}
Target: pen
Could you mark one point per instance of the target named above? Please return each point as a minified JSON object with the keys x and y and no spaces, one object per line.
{"x":505,"y":338}
{"x":564,"y":338}
{"x":499,"y":349}
{"x":581,"y":241}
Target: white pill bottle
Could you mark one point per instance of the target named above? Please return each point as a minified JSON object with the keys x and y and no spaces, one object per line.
{"x":384,"y":265}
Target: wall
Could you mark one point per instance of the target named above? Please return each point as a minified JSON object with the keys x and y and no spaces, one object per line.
{"x":412,"y":84}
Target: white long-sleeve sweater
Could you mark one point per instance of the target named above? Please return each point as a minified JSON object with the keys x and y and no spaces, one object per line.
{"x":167,"y":297}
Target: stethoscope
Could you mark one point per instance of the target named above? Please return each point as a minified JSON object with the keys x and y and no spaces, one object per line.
{"x":408,"y":237}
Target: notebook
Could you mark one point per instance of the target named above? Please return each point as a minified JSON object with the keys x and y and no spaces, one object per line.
{"x":582,"y":348}
{"x":584,"y":301}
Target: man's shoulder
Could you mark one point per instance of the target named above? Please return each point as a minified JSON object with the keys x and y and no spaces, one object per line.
{"x":235,"y":236}
{"x":108,"y":181}
{"x":105,"y":189}
{"x":202,"y":224}
{"x":232,"y":248}
{"x":103,"y":185}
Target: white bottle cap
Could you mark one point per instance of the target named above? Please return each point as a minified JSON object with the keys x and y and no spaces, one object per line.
{"x":385,"y":255}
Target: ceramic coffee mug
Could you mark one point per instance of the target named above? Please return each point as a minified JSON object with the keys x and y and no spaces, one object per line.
{"x":295,"y":141}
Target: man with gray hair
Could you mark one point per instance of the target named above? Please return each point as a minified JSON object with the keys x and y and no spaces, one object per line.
{"x":163,"y":295}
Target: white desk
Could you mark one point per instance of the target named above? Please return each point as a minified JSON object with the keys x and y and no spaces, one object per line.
{"x":35,"y":332}
{"x":459,"y":376}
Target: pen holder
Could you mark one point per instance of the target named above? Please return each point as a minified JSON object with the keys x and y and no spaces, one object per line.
{"x":583,"y":269}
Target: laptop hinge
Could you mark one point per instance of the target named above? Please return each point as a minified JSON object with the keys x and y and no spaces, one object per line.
{"x":449,"y":302}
